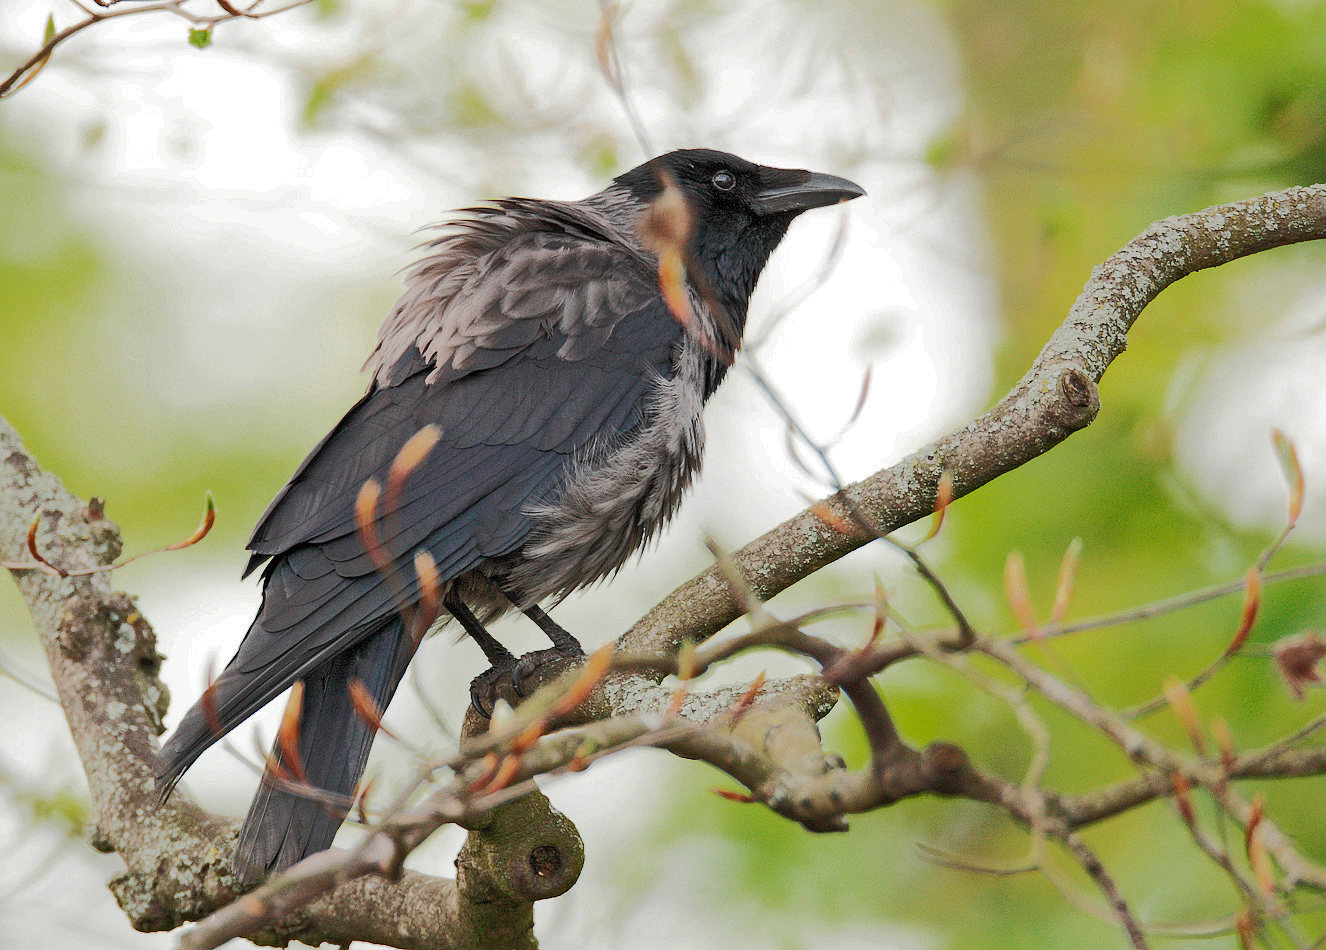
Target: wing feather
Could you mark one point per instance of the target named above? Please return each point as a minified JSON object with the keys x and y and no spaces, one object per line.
{"x":518,"y":400}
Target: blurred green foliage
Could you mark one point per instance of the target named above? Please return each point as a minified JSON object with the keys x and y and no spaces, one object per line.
{"x":1084,"y":122}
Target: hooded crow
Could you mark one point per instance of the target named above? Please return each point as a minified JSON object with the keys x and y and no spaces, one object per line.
{"x":564,"y":388}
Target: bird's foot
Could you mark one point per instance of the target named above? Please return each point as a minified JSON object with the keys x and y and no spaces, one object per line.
{"x":514,"y":680}
{"x":543,"y":666}
{"x":484,"y":688}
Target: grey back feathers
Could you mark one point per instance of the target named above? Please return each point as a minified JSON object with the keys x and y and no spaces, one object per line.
{"x":502,"y":276}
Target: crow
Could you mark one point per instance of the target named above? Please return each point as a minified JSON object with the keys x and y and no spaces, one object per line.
{"x":565,"y":390}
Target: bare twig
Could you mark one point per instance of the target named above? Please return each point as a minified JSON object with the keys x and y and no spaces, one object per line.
{"x":610,"y":65}
{"x":1096,"y":871}
{"x":28,"y":70}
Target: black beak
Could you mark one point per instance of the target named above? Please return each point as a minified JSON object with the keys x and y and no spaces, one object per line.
{"x":816,"y":191}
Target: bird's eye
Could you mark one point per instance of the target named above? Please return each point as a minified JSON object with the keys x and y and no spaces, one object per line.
{"x":724,"y":180}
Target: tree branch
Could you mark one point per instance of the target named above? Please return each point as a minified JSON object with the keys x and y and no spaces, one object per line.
{"x":104,"y":662}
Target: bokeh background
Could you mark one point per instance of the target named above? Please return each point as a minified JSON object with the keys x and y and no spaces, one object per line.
{"x":196,"y":246}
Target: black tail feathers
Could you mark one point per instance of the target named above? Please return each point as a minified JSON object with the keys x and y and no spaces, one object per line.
{"x":290,"y":820}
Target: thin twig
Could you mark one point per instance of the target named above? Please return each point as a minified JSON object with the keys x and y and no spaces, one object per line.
{"x":34,"y":63}
{"x":1169,"y":605}
{"x":1096,"y":871}
{"x":9,"y":673}
{"x":789,"y":303}
{"x":613,"y":70}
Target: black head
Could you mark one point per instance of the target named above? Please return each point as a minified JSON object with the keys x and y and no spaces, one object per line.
{"x":739,"y":210}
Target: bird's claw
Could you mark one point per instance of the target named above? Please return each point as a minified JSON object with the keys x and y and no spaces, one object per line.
{"x":483,"y":688}
{"x":532,"y":663}
{"x":525,"y":674}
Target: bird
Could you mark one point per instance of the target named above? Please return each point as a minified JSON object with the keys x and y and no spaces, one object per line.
{"x":560,"y":369}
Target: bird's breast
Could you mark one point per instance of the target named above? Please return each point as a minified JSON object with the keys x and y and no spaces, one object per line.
{"x":618,"y":496}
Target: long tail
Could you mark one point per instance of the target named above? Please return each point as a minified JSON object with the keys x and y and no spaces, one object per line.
{"x":283,"y":825}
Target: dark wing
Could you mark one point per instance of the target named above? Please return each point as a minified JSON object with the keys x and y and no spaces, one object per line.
{"x":517,"y":400}
{"x":565,"y":294}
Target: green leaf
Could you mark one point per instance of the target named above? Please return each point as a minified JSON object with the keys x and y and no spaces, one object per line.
{"x":320,"y":95}
{"x":471,"y":108}
{"x":50,"y":27}
{"x":951,"y":148}
{"x":476,"y":11}
{"x":200,"y":38}
{"x":324,"y":90}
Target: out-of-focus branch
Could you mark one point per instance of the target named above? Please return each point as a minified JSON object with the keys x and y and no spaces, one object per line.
{"x":521,"y":849}
{"x":204,"y":23}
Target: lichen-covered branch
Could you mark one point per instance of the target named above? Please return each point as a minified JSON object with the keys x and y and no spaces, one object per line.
{"x":519,"y":849}
{"x":104,"y":662}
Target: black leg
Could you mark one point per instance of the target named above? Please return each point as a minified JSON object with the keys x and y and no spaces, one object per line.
{"x":483,"y":688}
{"x":561,"y":638}
{"x":497,"y":654}
{"x":565,"y":647}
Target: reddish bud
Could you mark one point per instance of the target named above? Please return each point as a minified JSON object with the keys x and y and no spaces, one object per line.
{"x":686,"y":661}
{"x":1185,"y":710}
{"x":409,"y":458}
{"x":741,"y":797}
{"x":667,"y":224}
{"x":430,"y":591}
{"x":1063,"y":591}
{"x":672,"y":285}
{"x":530,"y":735}
{"x":1293,"y":473}
{"x":943,"y":498}
{"x":675,"y":704}
{"x":1246,"y":927}
{"x":1183,"y":798}
{"x":366,"y":516}
{"x":1224,"y":739}
{"x":505,"y":773}
{"x":1262,"y":870}
{"x":36,"y":555}
{"x":490,"y":764}
{"x":596,"y":667}
{"x":747,"y":699}
{"x":361,"y":800}
{"x":1019,"y":598}
{"x":1252,"y":596}
{"x":666,"y":228}
{"x":287,"y":736}
{"x":366,"y":708}
{"x":209,"y":519}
